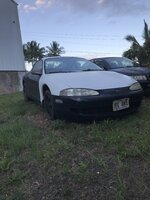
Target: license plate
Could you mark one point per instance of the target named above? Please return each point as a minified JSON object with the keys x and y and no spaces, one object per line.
{"x":121,"y":104}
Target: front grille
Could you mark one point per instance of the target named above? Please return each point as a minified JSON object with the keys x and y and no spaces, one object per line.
{"x":101,"y":108}
{"x":115,"y":91}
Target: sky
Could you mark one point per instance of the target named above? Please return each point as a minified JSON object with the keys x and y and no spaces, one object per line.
{"x":85,"y":28}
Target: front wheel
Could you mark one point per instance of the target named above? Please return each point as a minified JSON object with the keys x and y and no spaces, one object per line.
{"x":49,"y":105}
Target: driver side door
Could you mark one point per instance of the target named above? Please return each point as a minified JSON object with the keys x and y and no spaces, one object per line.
{"x":33,"y":80}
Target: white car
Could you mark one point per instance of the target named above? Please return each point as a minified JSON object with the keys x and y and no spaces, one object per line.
{"x":72,"y":87}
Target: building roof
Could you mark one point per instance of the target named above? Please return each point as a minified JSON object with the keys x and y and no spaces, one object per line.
{"x":14,"y":2}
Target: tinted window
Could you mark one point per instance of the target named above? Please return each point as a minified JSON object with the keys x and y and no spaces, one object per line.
{"x":37,"y":68}
{"x":100,"y":63}
{"x":68,"y":64}
{"x":120,"y":62}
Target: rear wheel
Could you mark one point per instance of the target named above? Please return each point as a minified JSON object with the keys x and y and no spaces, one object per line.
{"x":49,"y":105}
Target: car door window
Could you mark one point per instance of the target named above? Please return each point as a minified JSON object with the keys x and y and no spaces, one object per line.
{"x":37,"y":68}
{"x":127,"y":63}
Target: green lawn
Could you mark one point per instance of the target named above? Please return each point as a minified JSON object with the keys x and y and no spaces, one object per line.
{"x":41,"y":159}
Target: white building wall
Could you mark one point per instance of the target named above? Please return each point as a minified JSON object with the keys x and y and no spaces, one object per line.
{"x":11,"y":52}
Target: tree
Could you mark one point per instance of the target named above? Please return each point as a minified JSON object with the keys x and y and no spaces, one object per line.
{"x":146,"y":44}
{"x":32,"y":51}
{"x":137,"y":51}
{"x":55,"y":49}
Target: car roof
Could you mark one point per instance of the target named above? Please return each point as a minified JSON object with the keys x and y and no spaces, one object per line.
{"x":107,"y":57}
{"x":49,"y":57}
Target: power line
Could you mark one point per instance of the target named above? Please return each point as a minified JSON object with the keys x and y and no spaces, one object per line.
{"x":76,"y":38}
{"x":79,"y":35}
{"x":87,"y":44}
{"x":90,"y":52}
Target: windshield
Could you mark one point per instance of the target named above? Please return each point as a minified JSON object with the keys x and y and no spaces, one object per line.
{"x":120,"y":62}
{"x":69,"y":64}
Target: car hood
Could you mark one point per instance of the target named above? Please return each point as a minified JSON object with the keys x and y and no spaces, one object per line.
{"x":133,"y":70}
{"x":93,"y":80}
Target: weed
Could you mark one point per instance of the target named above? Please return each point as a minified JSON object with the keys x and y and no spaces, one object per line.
{"x":121,"y":189}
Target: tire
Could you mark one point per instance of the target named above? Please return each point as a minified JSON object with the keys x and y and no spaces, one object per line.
{"x":49,"y":105}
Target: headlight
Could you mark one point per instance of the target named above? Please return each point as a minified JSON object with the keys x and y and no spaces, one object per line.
{"x":78,"y":92}
{"x":139,"y":77}
{"x":135,"y":86}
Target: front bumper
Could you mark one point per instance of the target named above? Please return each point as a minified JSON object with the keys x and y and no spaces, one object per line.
{"x":95,"y":107}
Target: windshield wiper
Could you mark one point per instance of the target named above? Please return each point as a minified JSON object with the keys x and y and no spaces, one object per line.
{"x":129,"y":66}
{"x":88,"y":70}
{"x":60,"y":72}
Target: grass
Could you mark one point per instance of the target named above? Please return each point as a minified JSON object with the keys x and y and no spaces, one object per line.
{"x":43,"y":159}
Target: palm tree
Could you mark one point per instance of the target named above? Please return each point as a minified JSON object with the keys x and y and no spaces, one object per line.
{"x":131,"y":54}
{"x":137,"y":51}
{"x":32,"y":51}
{"x":146,"y":44}
{"x":55,"y":49}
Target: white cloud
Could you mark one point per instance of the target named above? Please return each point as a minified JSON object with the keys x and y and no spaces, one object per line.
{"x":38,"y":4}
{"x":28,"y":7}
{"x":109,"y":7}
{"x":100,"y":1}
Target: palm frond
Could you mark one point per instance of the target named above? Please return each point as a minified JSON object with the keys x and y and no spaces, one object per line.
{"x":32,"y":51}
{"x":146,"y":34}
{"x":132,"y":39}
{"x":55,"y":49}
